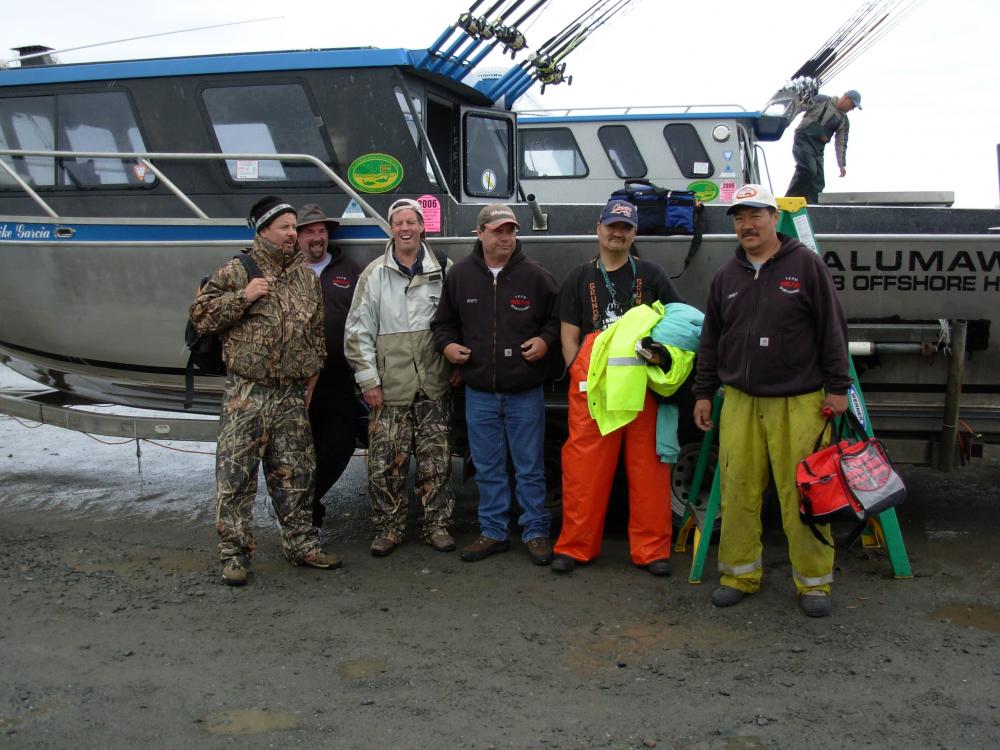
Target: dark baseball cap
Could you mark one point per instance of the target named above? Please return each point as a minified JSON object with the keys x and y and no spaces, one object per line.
{"x":619,"y":210}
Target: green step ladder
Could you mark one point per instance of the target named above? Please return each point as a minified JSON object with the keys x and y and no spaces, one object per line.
{"x":882,"y":533}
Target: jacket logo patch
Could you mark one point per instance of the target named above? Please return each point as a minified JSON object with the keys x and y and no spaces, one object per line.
{"x":731,"y":295}
{"x":341,"y":282}
{"x":471,"y":300}
{"x":790,"y":285}
{"x":520,"y":303}
{"x":765,"y":341}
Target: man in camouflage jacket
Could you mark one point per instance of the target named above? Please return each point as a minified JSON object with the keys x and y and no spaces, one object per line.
{"x":273,"y":346}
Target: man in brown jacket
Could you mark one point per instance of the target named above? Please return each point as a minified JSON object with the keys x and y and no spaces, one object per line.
{"x":271,"y":328}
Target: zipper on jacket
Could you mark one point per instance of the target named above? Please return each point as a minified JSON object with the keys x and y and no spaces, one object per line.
{"x":753,"y":317}
{"x":493,"y":372}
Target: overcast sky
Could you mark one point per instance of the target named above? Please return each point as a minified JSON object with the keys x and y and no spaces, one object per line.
{"x":931,"y":118}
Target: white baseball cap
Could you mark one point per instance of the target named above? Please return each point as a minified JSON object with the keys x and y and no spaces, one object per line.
{"x":754,"y":196}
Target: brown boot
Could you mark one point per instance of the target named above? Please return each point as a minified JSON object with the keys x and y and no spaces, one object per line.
{"x":483,"y":547}
{"x":234,"y":571}
{"x":320,"y":559}
{"x":441,"y":541}
{"x":384,"y":544}
{"x":540,"y":550}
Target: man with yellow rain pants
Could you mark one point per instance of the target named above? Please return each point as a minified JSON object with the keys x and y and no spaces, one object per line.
{"x":774,"y":337}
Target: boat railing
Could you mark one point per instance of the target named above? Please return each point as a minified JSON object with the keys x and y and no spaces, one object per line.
{"x":677,"y":109}
{"x":146,"y":159}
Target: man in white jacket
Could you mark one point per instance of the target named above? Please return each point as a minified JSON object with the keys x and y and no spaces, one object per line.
{"x":405,"y":382}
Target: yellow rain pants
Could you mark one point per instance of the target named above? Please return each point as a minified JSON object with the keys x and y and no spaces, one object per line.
{"x":753,"y":433}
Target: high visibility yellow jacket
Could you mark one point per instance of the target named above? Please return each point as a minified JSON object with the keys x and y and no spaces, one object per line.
{"x":617,"y":379}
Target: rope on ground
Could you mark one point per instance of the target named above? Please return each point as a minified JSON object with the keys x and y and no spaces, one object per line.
{"x":25,"y":424}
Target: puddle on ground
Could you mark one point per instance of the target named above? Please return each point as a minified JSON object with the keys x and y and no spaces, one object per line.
{"x":969,"y":616}
{"x":35,"y":712}
{"x":360,"y":669}
{"x":594,"y":648}
{"x":745,"y":743}
{"x":245,"y":721}
{"x":141,"y":559}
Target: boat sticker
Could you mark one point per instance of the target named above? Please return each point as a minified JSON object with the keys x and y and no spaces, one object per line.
{"x":705,"y":190}
{"x":727,"y":155}
{"x":701,"y":167}
{"x":727,"y":171}
{"x":489,"y":180}
{"x":247,"y":170}
{"x":856,"y":405}
{"x":139,"y":170}
{"x":375,"y":173}
{"x":804,"y":230}
{"x":353,"y":211}
{"x":431,"y":208}
{"x":726,"y":190}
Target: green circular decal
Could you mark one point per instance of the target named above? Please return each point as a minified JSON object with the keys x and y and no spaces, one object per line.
{"x":706,"y":190}
{"x":375,"y":173}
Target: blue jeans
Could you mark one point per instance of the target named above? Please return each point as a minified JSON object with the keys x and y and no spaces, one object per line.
{"x":499,"y":422}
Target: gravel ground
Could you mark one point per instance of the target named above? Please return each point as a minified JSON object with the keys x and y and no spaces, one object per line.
{"x":116,"y":632}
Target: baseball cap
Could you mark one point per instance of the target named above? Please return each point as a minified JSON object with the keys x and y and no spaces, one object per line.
{"x":754,"y":196}
{"x":619,"y":210}
{"x":855,"y":97}
{"x":495,"y":215}
{"x":405,"y":204}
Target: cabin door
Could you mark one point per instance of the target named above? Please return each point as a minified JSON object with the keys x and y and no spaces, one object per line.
{"x":488,"y":150}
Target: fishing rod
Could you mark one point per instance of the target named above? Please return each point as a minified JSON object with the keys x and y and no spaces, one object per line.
{"x":519,"y":72}
{"x":133,"y":39}
{"x":510,"y":36}
{"x":518,"y":75}
{"x":446,"y":34}
{"x":497,"y":30}
{"x":873,"y":37}
{"x":869,"y":24}
{"x":553,"y":72}
{"x":469,"y":26}
{"x":866,"y":26}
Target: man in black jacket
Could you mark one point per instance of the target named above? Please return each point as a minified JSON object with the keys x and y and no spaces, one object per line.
{"x":333,"y":410}
{"x":775,"y":337}
{"x":496,"y":322}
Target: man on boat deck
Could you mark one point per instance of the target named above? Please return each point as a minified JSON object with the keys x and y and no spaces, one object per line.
{"x":271,"y":328}
{"x":825,"y":118}
{"x":593,"y":297}
{"x":404,"y":381}
{"x":496,"y":323}
{"x":774,"y":337}
{"x":333,"y":410}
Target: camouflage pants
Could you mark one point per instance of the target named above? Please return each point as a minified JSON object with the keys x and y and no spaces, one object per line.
{"x":269,"y":423}
{"x":394,"y":433}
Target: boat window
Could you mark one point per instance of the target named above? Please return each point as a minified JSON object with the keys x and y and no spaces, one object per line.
{"x":550,"y":152}
{"x":101,"y":121}
{"x":411,"y":125}
{"x":271,"y":119}
{"x":621,"y":150}
{"x":489,"y":145}
{"x":28,"y":124}
{"x":688,"y":150}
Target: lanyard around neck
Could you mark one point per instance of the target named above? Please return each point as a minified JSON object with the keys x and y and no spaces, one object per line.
{"x":611,"y":287}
